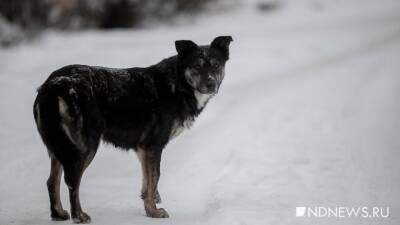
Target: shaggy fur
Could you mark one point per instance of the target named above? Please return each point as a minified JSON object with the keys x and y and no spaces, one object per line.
{"x":134,"y":108}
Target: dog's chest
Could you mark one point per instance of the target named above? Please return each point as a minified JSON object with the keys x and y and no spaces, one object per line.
{"x":178,"y":127}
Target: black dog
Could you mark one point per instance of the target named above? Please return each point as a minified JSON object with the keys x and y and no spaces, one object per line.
{"x":135,"y":108}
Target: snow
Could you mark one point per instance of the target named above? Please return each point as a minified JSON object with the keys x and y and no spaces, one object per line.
{"x":307,"y":116}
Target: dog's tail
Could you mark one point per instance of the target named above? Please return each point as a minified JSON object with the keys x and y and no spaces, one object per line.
{"x":58,"y":120}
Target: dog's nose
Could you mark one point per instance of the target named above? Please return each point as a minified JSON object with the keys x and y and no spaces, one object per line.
{"x":210,"y":83}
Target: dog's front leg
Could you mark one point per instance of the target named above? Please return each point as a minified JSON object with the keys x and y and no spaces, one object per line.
{"x":157,"y":196}
{"x":143,"y":193}
{"x":151,"y":172}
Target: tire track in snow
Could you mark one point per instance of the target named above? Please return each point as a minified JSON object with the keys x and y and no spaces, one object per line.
{"x":345,"y":25}
{"x":331,"y":60}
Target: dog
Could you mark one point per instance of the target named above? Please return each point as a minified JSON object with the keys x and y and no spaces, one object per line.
{"x":139,"y":109}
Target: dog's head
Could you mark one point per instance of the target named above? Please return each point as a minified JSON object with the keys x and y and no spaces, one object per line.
{"x":203,"y":67}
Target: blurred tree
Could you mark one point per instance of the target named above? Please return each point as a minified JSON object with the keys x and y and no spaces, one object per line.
{"x":67,"y":14}
{"x":25,"y":13}
{"x":28,"y":17}
{"x":121,"y":13}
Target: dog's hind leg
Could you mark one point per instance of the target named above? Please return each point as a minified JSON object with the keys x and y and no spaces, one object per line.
{"x":143,"y":194}
{"x":73,"y":176}
{"x":151,"y":161}
{"x":81,"y":126}
{"x":53,"y":186}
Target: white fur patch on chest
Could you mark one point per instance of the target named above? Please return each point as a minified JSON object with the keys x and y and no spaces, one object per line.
{"x":178,"y":128}
{"x":202,"y":99}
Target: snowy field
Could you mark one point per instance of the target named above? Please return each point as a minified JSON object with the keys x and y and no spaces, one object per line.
{"x":308,"y":115}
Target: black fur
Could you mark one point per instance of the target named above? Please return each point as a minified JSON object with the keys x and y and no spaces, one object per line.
{"x":133,"y":108}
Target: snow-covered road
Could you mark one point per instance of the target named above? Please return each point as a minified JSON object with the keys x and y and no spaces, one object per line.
{"x":307,"y":116}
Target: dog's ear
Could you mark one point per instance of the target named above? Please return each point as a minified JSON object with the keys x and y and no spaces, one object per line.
{"x":221,"y":43}
{"x":185,"y":46}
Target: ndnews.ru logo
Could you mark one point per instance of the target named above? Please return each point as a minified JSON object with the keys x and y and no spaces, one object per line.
{"x":343,"y":212}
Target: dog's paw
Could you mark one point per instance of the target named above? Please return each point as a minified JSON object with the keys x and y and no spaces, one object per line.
{"x":81,"y":217}
{"x":157,"y":213}
{"x":60,"y":215}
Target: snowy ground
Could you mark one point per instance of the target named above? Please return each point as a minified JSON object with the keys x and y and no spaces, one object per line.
{"x":307,"y":116}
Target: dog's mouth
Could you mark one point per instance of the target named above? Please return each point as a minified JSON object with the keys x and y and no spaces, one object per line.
{"x":208,"y":89}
